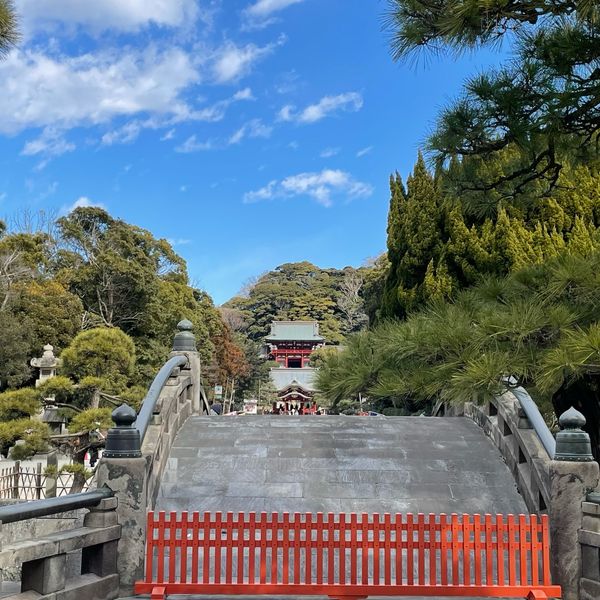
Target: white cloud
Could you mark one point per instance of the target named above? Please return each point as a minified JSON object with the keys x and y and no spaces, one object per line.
{"x":2,"y":196}
{"x":81,"y":202}
{"x":169,"y":135}
{"x":328,"y":105}
{"x":122,"y":15}
{"x":253,"y":129}
{"x":193,"y":145}
{"x":213,"y":113}
{"x":231,"y":62}
{"x":319,"y":186}
{"x":49,"y":144}
{"x":178,"y":241}
{"x":286,"y":113}
{"x":364,"y":151}
{"x":40,"y":91}
{"x":258,"y":15}
{"x":329,"y":152}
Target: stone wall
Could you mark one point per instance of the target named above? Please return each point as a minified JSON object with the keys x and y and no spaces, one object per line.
{"x":63,"y":556}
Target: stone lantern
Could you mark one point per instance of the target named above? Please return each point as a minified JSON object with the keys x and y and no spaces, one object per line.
{"x":47,"y":364}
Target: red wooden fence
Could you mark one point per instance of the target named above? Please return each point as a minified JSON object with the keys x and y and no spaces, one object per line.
{"x":335,"y":554}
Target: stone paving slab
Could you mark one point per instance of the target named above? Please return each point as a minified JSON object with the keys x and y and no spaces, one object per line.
{"x":336,"y":463}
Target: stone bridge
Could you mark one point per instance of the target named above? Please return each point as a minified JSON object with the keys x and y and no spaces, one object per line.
{"x":493,"y":457}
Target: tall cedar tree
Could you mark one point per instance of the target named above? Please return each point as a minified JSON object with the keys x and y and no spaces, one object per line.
{"x":414,"y":239}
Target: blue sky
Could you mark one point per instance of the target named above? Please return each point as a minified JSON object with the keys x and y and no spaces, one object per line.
{"x":248,"y":132}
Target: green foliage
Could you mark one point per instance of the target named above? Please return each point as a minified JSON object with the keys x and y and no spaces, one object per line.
{"x":54,"y":314}
{"x":60,"y":387}
{"x":114,"y":267}
{"x":134,"y":396}
{"x":18,"y":404}
{"x":77,"y":469}
{"x":436,"y":247}
{"x":302,"y":291}
{"x":538,"y":326}
{"x":15,"y":342}
{"x":91,"y":419}
{"x":543,"y":106}
{"x":35,"y":434}
{"x":9,"y":34}
{"x":105,"y":353}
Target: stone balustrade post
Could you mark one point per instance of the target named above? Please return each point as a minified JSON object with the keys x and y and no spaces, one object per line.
{"x":185,"y":344}
{"x":573,"y":474}
{"x":125,"y":471}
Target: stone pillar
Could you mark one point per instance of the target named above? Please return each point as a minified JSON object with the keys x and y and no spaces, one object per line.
{"x":573,"y":473}
{"x":124,"y":470}
{"x":185,"y":344}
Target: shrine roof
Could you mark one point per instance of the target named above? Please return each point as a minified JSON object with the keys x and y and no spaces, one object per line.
{"x":302,"y":331}
{"x":301,"y":378}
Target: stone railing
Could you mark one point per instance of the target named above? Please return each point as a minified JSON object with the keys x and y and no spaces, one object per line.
{"x":589,"y":540}
{"x":555,"y":476}
{"x":505,"y":422}
{"x":68,"y":555}
{"x":137,"y":448}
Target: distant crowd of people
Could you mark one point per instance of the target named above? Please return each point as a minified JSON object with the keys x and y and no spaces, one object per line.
{"x":294,"y":409}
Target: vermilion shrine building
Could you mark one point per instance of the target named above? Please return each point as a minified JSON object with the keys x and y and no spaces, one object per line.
{"x":290,"y":344}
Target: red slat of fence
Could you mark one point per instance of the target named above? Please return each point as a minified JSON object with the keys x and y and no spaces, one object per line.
{"x":353,"y":548}
{"x":240,"y":555}
{"x":342,"y":557}
{"x":398,"y":527}
{"x":421,"y":548}
{"x":500,"y":529}
{"x":228,"y":547}
{"x":297,"y":550}
{"x":308,"y":548}
{"x":443,"y":549}
{"x":319,"y":546}
{"x":364,"y":548}
{"x":466,"y":549}
{"x":546,"y":549}
{"x":195,"y":545}
{"x":274,"y":546}
{"x":206,"y":543}
{"x":252,"y":548}
{"x":512,"y":549}
{"x":332,"y":544}
{"x":477,"y":547}
{"x":160,"y":559}
{"x":285,"y":543}
{"x":183,"y":547}
{"x":455,"y":549}
{"x":172,"y":545}
{"x":523,"y":549}
{"x":218,"y":523}
{"x":410,"y":532}
{"x":150,"y":544}
{"x":432,"y":533}
{"x":489,"y":565}
{"x":535,"y":550}
{"x":376,"y":557}
{"x":262,"y":547}
{"x":387,"y":553}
